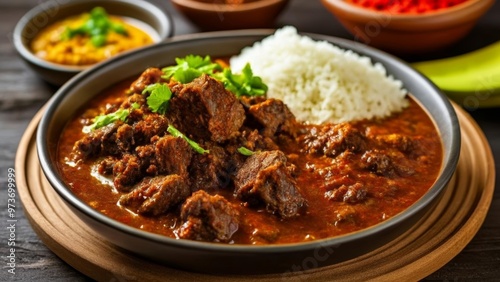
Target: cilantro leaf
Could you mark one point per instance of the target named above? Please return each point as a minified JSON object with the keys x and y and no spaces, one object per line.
{"x":158,"y":98}
{"x":96,"y":27}
{"x":103,"y":120}
{"x":245,"y":151}
{"x":189,"y":68}
{"x":242,"y":84}
{"x":176,"y":133}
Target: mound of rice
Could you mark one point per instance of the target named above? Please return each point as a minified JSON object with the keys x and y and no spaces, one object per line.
{"x":321,"y":82}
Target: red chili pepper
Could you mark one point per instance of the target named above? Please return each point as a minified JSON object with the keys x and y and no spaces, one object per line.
{"x":407,"y":6}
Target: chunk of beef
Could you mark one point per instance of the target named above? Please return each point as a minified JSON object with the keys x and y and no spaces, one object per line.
{"x":386,"y":162}
{"x":247,"y":101}
{"x":88,"y":146}
{"x":346,"y":214}
{"x":208,"y":218}
{"x":98,"y":141}
{"x":274,"y":116}
{"x":412,"y":146}
{"x":150,"y":126}
{"x":156,"y":196}
{"x":132,"y":99}
{"x":265,"y":178}
{"x":401,"y":142}
{"x":147,"y":156}
{"x":351,"y":194}
{"x":149,"y":76}
{"x":165,"y":155}
{"x":334,"y":179}
{"x":105,"y":167}
{"x":334,"y":139}
{"x":118,"y":138}
{"x":211,"y":171}
{"x":127,"y":172}
{"x":173,"y":155}
{"x":125,"y":137}
{"x":205,"y":110}
{"x":253,"y":140}
{"x":378,"y":162}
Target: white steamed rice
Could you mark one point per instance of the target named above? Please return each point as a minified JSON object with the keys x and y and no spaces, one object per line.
{"x":321,"y":82}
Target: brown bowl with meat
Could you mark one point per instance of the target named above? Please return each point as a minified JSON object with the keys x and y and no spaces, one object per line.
{"x":185,"y":152}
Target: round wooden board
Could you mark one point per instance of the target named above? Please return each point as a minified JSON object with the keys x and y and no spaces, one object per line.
{"x":435,"y":240}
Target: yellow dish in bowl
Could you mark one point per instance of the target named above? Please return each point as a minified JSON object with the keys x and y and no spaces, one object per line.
{"x":58,"y":40}
{"x":89,"y":38}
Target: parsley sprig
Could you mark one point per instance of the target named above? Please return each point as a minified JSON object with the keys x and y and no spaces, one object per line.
{"x":97,"y":27}
{"x":190,"y":67}
{"x":159,"y":97}
{"x":103,"y":120}
{"x":176,"y":133}
{"x":242,"y":84}
{"x":245,"y":151}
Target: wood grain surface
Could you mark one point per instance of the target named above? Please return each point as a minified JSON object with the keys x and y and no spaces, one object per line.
{"x":22,"y":94}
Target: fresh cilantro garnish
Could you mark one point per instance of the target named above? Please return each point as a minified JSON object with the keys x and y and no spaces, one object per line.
{"x":103,"y":120}
{"x":97,"y":27}
{"x":159,"y":96}
{"x":242,"y":84}
{"x":245,"y":151}
{"x":176,"y":133}
{"x":189,"y":68}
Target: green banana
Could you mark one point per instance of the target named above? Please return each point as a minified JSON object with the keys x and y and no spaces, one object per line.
{"x":472,"y":78}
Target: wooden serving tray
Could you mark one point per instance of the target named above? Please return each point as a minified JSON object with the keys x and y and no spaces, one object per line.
{"x":438,"y":237}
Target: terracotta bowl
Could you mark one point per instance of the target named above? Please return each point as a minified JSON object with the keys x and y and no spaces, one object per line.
{"x":49,"y":12}
{"x":225,"y":258}
{"x":221,"y":15}
{"x":408,"y":33}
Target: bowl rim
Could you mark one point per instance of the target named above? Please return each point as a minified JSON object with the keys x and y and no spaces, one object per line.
{"x":226,"y":8}
{"x":449,"y":165}
{"x":448,"y":16}
{"x":41,"y":9}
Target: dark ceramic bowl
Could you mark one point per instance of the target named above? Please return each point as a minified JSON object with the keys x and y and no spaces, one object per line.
{"x":49,"y":12}
{"x":212,"y":257}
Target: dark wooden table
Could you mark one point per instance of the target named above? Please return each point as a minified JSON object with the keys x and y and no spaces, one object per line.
{"x":22,"y":94}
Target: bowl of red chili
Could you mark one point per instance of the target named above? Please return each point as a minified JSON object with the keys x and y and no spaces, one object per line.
{"x":237,"y":252}
{"x":408,"y":27}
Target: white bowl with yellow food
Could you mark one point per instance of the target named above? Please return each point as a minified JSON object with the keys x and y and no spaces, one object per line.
{"x":58,"y":40}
